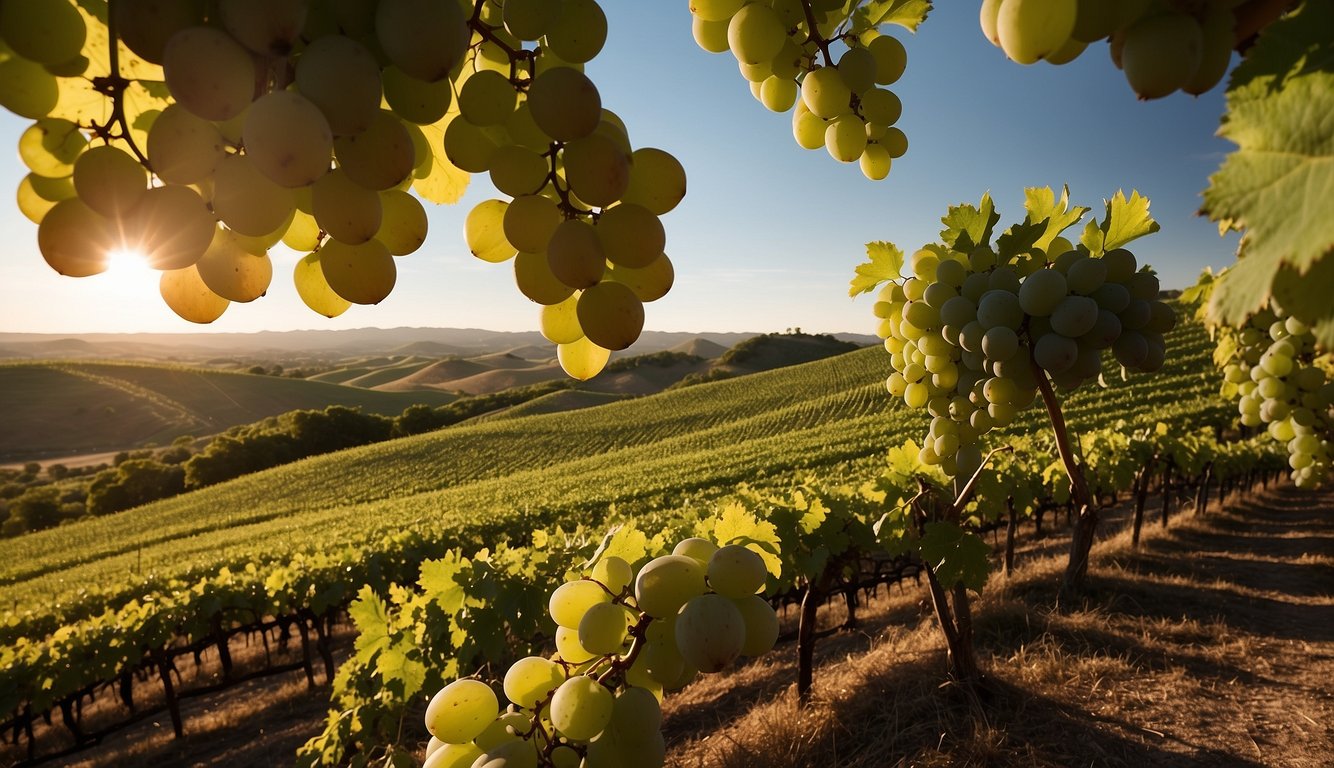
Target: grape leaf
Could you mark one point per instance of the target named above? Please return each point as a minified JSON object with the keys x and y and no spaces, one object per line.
{"x":1042,"y":206}
{"x":957,"y":556}
{"x":1307,"y":297}
{"x":1280,"y":101}
{"x":906,"y":13}
{"x":440,"y":580}
{"x":967,"y":226}
{"x":884,"y":263}
{"x":1243,"y":289}
{"x":1124,"y":221}
{"x":626,"y":541}
{"x":737,"y":525}
{"x":396,"y":665}
{"x":371,"y":619}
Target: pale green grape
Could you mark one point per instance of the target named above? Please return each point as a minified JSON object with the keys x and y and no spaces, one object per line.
{"x":710,"y":632}
{"x":755,"y":34}
{"x":1074,"y":316}
{"x":736,"y":571}
{"x":523,"y":130}
{"x":709,"y":35}
{"x":529,"y":222}
{"x":1031,"y":29}
{"x":581,"y":708}
{"x":171,"y":226}
{"x":145,"y":26}
{"x":597,"y":170}
{"x":110,"y":181}
{"x":349,"y":212}
{"x":380,"y":157}
{"x":611,"y":315}
{"x":340,"y":77}
{"x":614,"y":573}
{"x":362,"y":274}
{"x":559,"y":323}
{"x":564,"y":103}
{"x":487,"y":98}
{"x":247,"y":200}
{"x":575,"y":254}
{"x":715,"y":10}
{"x":858,"y":67}
{"x":881,"y":107}
{"x":532,"y":275}
{"x":808,"y":128}
{"x":44,"y":31}
{"x":1086,"y":276}
{"x":567,"y":640}
{"x":187,"y":295}
{"x":232,"y":272}
{"x":314,"y":289}
{"x":665,"y":583}
{"x":602,"y":628}
{"x":453,"y":756}
{"x":530,"y":19}
{"x":761,"y":624}
{"x":1055,"y":353}
{"x":1041,"y":292}
{"x":403,"y":222}
{"x":517,"y":170}
{"x":267,"y":27}
{"x":26,"y":88}
{"x":825,"y":94}
{"x":657,"y":180}
{"x":50,"y":147}
{"x":209,"y":73}
{"x":287,"y":139}
{"x":1000,"y":308}
{"x":582,"y":359}
{"x":571,"y":600}
{"x":1162,"y":53}
{"x":659,"y":658}
{"x":649,"y":283}
{"x":845,"y":138}
{"x":579,"y":33}
{"x":74,"y":239}
{"x":1218,"y":41}
{"x":460,"y":711}
{"x":531,"y":679}
{"x":778,"y":94}
{"x":469,"y":147}
{"x":484,"y":231}
{"x":631,"y":236}
{"x":895,"y":142}
{"x":505,"y":727}
{"x":423,"y":38}
{"x":413,"y":100}
{"x":890,"y":59}
{"x":184,"y":148}
{"x":696,"y":547}
{"x":33,"y":204}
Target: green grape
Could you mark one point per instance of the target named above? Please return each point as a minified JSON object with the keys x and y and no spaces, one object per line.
{"x":649,"y":283}
{"x":579,"y":33}
{"x":505,"y":727}
{"x":1055,"y":353}
{"x":1086,"y":276}
{"x":890,"y":59}
{"x":710,"y":632}
{"x":487,"y":98}
{"x":614,"y":573}
{"x":518,"y":171}
{"x":533,"y":276}
{"x":484,"y":231}
{"x":247,"y":200}
{"x":999,"y":308}
{"x":362,"y":274}
{"x":808,"y":128}
{"x":287,"y":139}
{"x":1067,"y":52}
{"x":267,"y":27}
{"x":657,"y":181}
{"x":183,"y":148}
{"x":340,"y":77}
{"x":468,"y":147}
{"x":1120,"y":265}
{"x":530,"y":19}
{"x":575,"y":254}
{"x":44,"y":31}
{"x":582,"y":359}
{"x":736,"y":571}
{"x":1131,"y":349}
{"x":1029,"y":30}
{"x":1074,"y":316}
{"x":110,"y":181}
{"x":314,"y":289}
{"x":1162,"y":53}
{"x":529,"y":222}
{"x":460,"y":711}
{"x":1216,"y":54}
{"x":659,"y":658}
{"x":209,"y":73}
{"x":381,"y":156}
{"x":895,"y":142}
{"x":858,"y":67}
{"x":74,"y":239}
{"x":33,"y":204}
{"x":665,"y":583}
{"x":755,"y":34}
{"x":171,"y":226}
{"x":414,"y":100}
{"x":349,"y":212}
{"x":453,"y":756}
{"x":611,"y":315}
{"x":145,"y":26}
{"x":825,"y":93}
{"x":567,"y":640}
{"x":761,"y":624}
{"x":597,"y":170}
{"x":571,"y":600}
{"x":700,"y":549}
{"x":185,"y":293}
{"x":423,"y":38}
{"x":602,"y":629}
{"x":531,"y":679}
{"x":26,"y":88}
{"x":232,"y":272}
{"x":50,"y":147}
{"x":778,"y":94}
{"x":560,"y":322}
{"x":881,"y":107}
{"x":711,"y":36}
{"x":581,"y":708}
{"x":564,"y":103}
{"x":845,"y":138}
{"x":1041,"y":292}
{"x":715,"y":10}
{"x":631,"y":236}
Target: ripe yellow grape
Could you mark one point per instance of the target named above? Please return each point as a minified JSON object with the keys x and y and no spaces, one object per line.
{"x":247,"y":200}
{"x":346,"y":210}
{"x":845,"y":138}
{"x":362,"y":274}
{"x":1162,"y":53}
{"x":403,"y":222}
{"x":524,"y":132}
{"x":575,"y":254}
{"x":379,"y":157}
{"x":314,"y":289}
{"x":881,"y":107}
{"x":709,"y":35}
{"x":518,"y":171}
{"x":581,"y":707}
{"x":342,"y":79}
{"x":26,"y":88}
{"x":33,"y":204}
{"x":649,"y":283}
{"x":736,"y":571}
{"x":186,"y":294}
{"x":582,"y":359}
{"x":808,"y":128}
{"x":614,"y":573}
{"x":302,"y":233}
{"x":413,"y":100}
{"x":755,"y":34}
{"x":665,"y":583}
{"x":484,"y":230}
{"x":529,"y":222}
{"x":559,"y":322}
{"x":631,"y":236}
{"x":710,"y":632}
{"x":858,"y":67}
{"x":602,"y":628}
{"x":287,"y":138}
{"x":44,"y":31}
{"x":761,"y":625}
{"x":232,"y":272}
{"x":532,"y":679}
{"x":145,"y":26}
{"x":895,"y":143}
{"x":460,"y":711}
{"x":657,"y":180}
{"x":171,"y":226}
{"x":875,"y":162}
{"x":778,"y":94}
{"x":611,"y":315}
{"x":209,"y":73}
{"x":597,"y":170}
{"x":74,"y":239}
{"x":890,"y":59}
{"x":715,"y":10}
{"x":825,"y":94}
{"x":423,"y":38}
{"x":469,"y":147}
{"x":184,"y":148}
{"x":530,"y":19}
{"x":579,"y":33}
{"x":532,"y":275}
{"x":487,"y":98}
{"x":564,"y":103}
{"x":110,"y":181}
{"x":49,"y":147}
{"x":1032,"y":29}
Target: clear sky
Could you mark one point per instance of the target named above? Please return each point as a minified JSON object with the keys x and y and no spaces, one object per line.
{"x":768,"y":234}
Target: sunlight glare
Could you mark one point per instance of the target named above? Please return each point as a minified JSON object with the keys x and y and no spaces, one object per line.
{"x":129,"y":269}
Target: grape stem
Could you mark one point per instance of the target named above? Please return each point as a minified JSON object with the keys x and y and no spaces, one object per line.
{"x":113,"y":87}
{"x":814,"y":36}
{"x":956,"y":509}
{"x":482,"y":28}
{"x":625,"y":662}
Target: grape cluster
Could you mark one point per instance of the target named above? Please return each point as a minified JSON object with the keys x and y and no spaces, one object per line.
{"x":308,"y":124}
{"x":969,"y":333}
{"x":1161,"y":47}
{"x":621,"y":640}
{"x":1283,"y":382}
{"x":838,"y":106}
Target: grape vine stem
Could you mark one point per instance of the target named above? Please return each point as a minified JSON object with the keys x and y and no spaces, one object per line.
{"x":113,"y":86}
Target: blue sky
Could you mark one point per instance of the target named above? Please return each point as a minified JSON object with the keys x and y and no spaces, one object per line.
{"x":768,"y":234}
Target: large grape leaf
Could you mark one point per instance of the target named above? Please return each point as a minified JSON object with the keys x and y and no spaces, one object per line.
{"x":884,"y":263}
{"x":1042,"y":205}
{"x":969,"y":225}
{"x":440,"y":581}
{"x":1278,"y":183}
{"x":1124,"y":221}
{"x":371,"y":618}
{"x":737,"y":525}
{"x":957,"y":556}
{"x":906,"y":13}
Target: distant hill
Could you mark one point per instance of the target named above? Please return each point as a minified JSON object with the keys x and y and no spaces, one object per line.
{"x":700,"y":347}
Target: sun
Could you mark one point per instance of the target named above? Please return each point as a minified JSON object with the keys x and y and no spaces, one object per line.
{"x":128,"y":269}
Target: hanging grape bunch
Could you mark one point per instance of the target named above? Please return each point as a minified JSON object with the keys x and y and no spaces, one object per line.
{"x":837,"y":104}
{"x":210,"y":132}
{"x":621,"y":640}
{"x":978,"y":322}
{"x":1162,"y":47}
